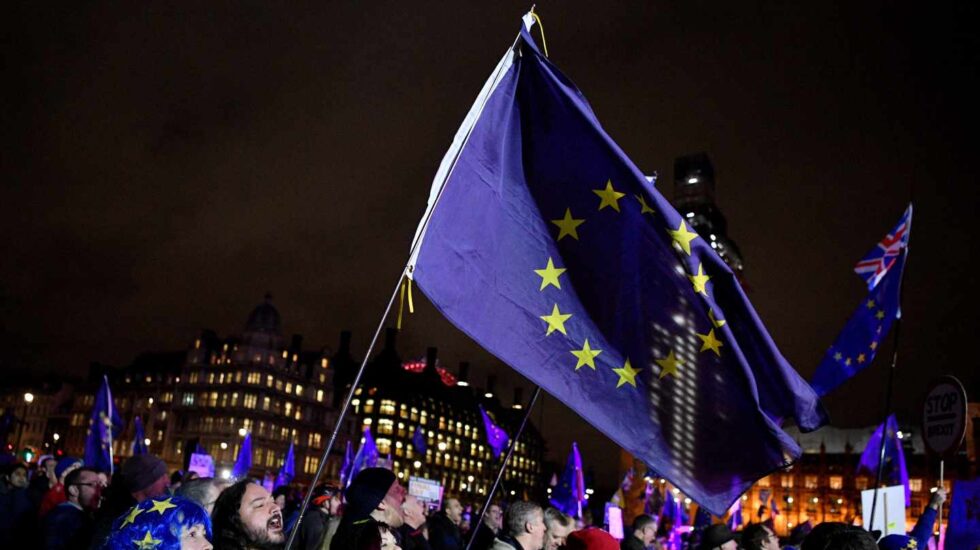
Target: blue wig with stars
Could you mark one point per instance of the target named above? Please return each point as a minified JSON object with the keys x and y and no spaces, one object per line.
{"x":156,"y":524}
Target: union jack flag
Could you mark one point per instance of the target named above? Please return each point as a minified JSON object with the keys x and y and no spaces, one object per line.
{"x":881,"y":258}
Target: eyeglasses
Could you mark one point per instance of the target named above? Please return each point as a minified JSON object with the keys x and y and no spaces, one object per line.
{"x":87,"y":484}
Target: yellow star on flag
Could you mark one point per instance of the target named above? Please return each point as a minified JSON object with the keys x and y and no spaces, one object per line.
{"x":131,"y":517}
{"x":838,"y":356}
{"x":874,"y":345}
{"x":148,"y":542}
{"x":609,"y":196}
{"x":709,"y":342}
{"x":644,"y":207}
{"x":668,"y":364}
{"x":567,"y":225}
{"x":718,"y":323}
{"x":870,"y":304}
{"x":162,"y":506}
{"x":700,"y":280}
{"x":847,"y":361}
{"x":556,"y":321}
{"x":627,"y":375}
{"x":549,"y":275}
{"x":881,"y":314}
{"x":586,"y":356}
{"x":861,"y":358}
{"x":683,"y":237}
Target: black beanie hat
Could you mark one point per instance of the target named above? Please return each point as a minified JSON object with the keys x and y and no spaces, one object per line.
{"x":366,"y":491}
{"x":141,"y":471}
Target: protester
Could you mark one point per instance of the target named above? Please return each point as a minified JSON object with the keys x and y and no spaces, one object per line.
{"x":373,"y":497}
{"x":850,"y":539}
{"x":321,"y":519}
{"x":246,"y":517}
{"x":591,"y":538}
{"x":203,"y":490}
{"x":172,"y":523}
{"x":523,"y":528}
{"x":279,"y":494}
{"x":759,"y":537}
{"x":717,"y":536}
{"x":444,"y":526}
{"x":920,"y":534}
{"x":493,"y":520}
{"x":140,"y":478}
{"x":557,"y":526}
{"x":413,"y":531}
{"x":70,"y":524}
{"x":15,"y":504}
{"x":643,"y":535}
{"x":43,"y":480}
{"x":818,"y":537}
{"x":56,"y":494}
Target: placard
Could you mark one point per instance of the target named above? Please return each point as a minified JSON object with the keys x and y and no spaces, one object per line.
{"x":944,"y":416}
{"x":427,"y":490}
{"x":889,"y":513}
{"x":202,"y":465}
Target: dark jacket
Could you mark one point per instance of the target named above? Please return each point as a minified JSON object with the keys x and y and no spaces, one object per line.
{"x":484,"y":537}
{"x":412,"y":539}
{"x":443,"y":533}
{"x":17,"y":520}
{"x":631,"y":543}
{"x":66,"y":527}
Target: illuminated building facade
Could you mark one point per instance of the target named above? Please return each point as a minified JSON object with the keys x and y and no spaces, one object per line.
{"x":694,"y":198}
{"x":397,"y":397}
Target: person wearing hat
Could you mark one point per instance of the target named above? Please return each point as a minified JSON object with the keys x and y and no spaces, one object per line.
{"x":171,"y":523}
{"x":56,"y":494}
{"x":918,"y":538}
{"x":321,"y":521}
{"x":140,"y":478}
{"x":373,"y":497}
{"x":591,"y":538}
{"x":717,"y":536}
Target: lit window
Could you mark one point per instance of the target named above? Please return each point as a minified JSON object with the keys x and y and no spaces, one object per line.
{"x":387,"y":407}
{"x":265,"y":403}
{"x":324,"y":362}
{"x":289,"y":387}
{"x":369,"y":406}
{"x":810,"y":482}
{"x":319,"y":395}
{"x":299,"y":389}
{"x":268,"y":380}
{"x":836,"y":482}
{"x":915,"y":485}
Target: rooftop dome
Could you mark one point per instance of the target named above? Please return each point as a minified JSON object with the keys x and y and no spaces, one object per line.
{"x":264,"y":318}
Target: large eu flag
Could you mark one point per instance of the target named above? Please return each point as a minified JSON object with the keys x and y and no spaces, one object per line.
{"x":857,"y":344}
{"x":546,"y":244}
{"x":103,"y":426}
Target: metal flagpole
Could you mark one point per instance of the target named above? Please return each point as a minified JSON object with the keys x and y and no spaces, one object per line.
{"x":340,"y":419}
{"x":891,"y":383}
{"x":500,"y":473}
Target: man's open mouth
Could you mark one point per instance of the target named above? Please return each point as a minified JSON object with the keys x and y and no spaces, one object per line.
{"x":275,"y":522}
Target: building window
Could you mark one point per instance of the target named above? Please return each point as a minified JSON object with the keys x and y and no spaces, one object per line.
{"x":861,"y":483}
{"x":810,"y":482}
{"x":188,"y":399}
{"x":369,"y":406}
{"x":786,"y":482}
{"x":289,"y":408}
{"x":319,"y":396}
{"x":299,"y":390}
{"x":250,"y":399}
{"x":836,"y":482}
{"x":289,"y":387}
{"x":915,"y":485}
{"x":387,"y":407}
{"x":268,"y":380}
{"x":265,"y":403}
{"x":279,"y":385}
{"x":193,"y":378}
{"x":385,"y":426}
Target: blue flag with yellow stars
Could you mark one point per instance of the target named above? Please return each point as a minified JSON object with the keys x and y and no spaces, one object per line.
{"x":569,"y":495}
{"x":544,"y":243}
{"x":103,"y":426}
{"x":859,"y":340}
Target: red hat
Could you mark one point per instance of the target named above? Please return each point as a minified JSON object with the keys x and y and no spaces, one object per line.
{"x":591,"y":538}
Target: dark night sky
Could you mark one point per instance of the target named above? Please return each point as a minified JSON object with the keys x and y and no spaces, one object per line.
{"x":164,"y":166}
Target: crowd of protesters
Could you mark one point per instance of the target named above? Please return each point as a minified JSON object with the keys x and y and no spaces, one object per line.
{"x":64,"y":505}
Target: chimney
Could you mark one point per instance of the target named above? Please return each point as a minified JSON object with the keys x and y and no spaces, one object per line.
{"x":463,"y":378}
{"x":491,"y":386}
{"x":518,"y":397}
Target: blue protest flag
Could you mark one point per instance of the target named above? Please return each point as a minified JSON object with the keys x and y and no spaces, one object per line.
{"x":366,"y":457}
{"x":545,"y":244}
{"x":139,"y":437}
{"x":345,"y":467}
{"x":288,"y":469}
{"x":569,"y":494}
{"x":964,"y":515}
{"x":418,"y":440}
{"x":497,"y":438}
{"x":857,"y":344}
{"x":894,"y":472}
{"x":244,"y":461}
{"x":103,"y":426}
{"x":735,"y":515}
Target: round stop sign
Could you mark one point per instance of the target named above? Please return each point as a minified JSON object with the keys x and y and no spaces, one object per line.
{"x":944,"y":416}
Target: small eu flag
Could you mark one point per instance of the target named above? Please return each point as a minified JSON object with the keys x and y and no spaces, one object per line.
{"x":569,"y":494}
{"x":544,"y":243}
{"x":858,"y":342}
{"x":103,"y":426}
{"x":366,"y":457}
{"x":288,"y":469}
{"x":243,"y":463}
{"x":345,"y":468}
{"x":497,"y":438}
{"x":139,"y":437}
{"x":894,"y":471}
{"x":418,"y":440}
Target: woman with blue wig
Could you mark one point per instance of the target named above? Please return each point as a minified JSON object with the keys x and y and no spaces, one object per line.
{"x":171,"y":523}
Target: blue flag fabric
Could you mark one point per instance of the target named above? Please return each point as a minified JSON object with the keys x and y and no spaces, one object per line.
{"x":894,"y":472}
{"x":858,"y":342}
{"x":103,"y":426}
{"x":418,"y":440}
{"x":244,"y":461}
{"x":545,"y":244}
{"x":139,"y":437}
{"x":346,"y":466}
{"x":569,"y":494}
{"x":964,"y":516}
{"x":288,"y":469}
{"x":497,"y":438}
{"x":366,"y":457}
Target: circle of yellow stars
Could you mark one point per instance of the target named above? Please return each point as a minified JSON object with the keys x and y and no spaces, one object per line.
{"x":550,"y":276}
